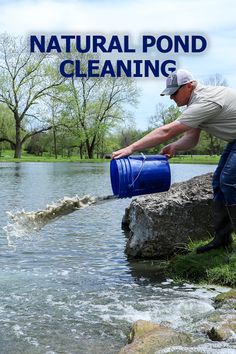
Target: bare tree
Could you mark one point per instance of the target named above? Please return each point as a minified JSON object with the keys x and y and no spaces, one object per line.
{"x":96,"y":104}
{"x":216,"y":80}
{"x":164,"y":115}
{"x":214,"y":145}
{"x":25,"y":79}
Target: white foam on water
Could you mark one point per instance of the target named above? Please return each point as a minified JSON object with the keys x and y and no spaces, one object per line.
{"x":206,"y":348}
{"x":23,"y":224}
{"x":157,"y":311}
{"x":177,"y":311}
{"x":18,"y":331}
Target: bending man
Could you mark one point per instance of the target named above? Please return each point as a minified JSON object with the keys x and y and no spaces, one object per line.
{"x":209,"y":108}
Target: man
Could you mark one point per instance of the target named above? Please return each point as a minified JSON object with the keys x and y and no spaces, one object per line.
{"x":209,"y":108}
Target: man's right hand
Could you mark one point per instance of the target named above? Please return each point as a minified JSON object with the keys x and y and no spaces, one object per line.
{"x":168,"y":150}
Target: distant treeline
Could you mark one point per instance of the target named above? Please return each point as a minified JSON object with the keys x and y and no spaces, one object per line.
{"x":41,"y":111}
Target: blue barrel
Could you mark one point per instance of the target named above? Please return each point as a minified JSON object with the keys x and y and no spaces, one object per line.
{"x":137,"y":175}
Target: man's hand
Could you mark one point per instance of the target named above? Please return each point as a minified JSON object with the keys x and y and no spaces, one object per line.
{"x":122,"y":153}
{"x":168,"y":150}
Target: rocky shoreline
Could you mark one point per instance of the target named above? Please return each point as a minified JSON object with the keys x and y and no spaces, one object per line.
{"x":219,"y":326}
{"x":157,"y":227}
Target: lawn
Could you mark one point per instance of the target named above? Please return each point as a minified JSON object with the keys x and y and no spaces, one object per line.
{"x":214,"y":267}
{"x":7,"y":156}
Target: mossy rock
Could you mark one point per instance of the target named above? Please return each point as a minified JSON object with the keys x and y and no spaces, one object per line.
{"x":147,"y":338}
{"x":225,"y":297}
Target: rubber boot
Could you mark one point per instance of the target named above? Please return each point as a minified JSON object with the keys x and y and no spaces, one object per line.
{"x":232,"y":214}
{"x":223,"y":228}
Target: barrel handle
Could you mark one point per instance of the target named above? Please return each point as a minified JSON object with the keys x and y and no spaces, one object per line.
{"x":144,"y":158}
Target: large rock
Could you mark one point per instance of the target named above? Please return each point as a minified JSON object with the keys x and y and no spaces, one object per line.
{"x":158,"y":225}
{"x":147,"y":338}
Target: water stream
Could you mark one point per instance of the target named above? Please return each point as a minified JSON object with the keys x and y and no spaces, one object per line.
{"x":24,"y":223}
{"x":67,"y":287}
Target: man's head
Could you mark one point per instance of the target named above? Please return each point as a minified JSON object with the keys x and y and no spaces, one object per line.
{"x":179,"y":86}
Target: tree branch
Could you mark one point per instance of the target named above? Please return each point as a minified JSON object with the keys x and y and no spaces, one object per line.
{"x":29,"y":135}
{"x":8,"y":140}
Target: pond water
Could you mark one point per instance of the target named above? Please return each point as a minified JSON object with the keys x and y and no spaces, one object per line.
{"x":69,"y":288}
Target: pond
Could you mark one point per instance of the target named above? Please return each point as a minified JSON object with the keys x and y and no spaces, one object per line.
{"x":69,"y":288}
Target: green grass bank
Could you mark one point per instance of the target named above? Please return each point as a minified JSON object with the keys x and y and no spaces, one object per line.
{"x":8,"y":156}
{"x":214,"y":267}
{"x":217,"y":267}
{"x":196,"y":159}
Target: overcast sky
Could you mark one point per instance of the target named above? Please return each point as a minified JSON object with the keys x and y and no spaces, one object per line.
{"x":213,"y":18}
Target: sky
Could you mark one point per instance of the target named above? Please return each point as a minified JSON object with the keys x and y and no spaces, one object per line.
{"x":213,"y":19}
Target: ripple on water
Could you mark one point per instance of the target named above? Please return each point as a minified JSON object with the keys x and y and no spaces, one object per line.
{"x":68,"y":287}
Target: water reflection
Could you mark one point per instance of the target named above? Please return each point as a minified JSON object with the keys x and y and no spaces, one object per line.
{"x":17,"y":170}
{"x":72,"y":277}
{"x":148,"y":271}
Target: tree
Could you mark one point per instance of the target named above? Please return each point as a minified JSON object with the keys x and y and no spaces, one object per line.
{"x":25,"y":79}
{"x":216,"y":80}
{"x":35,"y":145}
{"x":210,"y":144}
{"x":128,"y":135}
{"x":7,"y":132}
{"x":97,"y":104}
{"x":164,"y":115}
{"x":53,"y":105}
{"x":213,"y":145}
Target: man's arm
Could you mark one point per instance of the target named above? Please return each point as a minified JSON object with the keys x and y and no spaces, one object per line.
{"x":156,"y":137}
{"x":188,"y":141}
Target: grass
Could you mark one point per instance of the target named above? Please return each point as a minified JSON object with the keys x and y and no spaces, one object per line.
{"x":196,"y":159}
{"x":214,"y":267}
{"x":8,"y":156}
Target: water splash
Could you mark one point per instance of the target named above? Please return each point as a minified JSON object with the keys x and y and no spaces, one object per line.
{"x":22,"y":224}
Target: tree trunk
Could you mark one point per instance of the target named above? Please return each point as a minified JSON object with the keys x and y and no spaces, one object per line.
{"x":90,"y":152}
{"x":81,"y":151}
{"x":90,"y":149}
{"x":18,"y":145}
{"x":68,"y":152}
{"x":55,"y":142}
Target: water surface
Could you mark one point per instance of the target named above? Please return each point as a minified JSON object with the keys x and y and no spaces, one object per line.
{"x":69,"y":288}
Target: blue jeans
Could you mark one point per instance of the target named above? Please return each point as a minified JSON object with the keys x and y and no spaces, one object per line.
{"x":224,"y":179}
